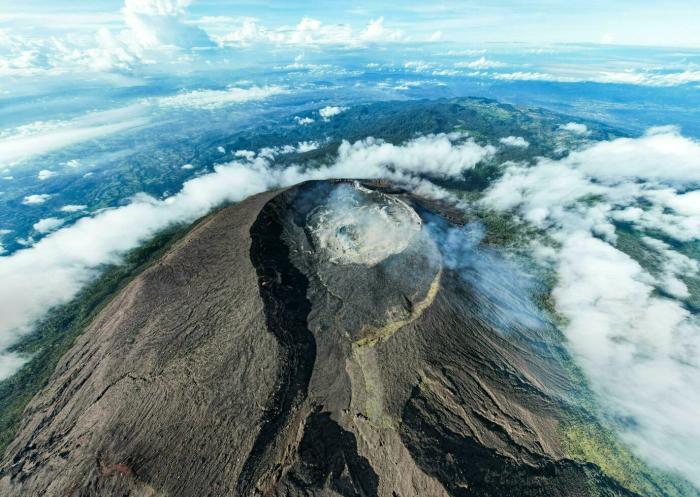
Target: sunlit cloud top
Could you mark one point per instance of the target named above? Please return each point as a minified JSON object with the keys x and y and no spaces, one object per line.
{"x":113,"y":35}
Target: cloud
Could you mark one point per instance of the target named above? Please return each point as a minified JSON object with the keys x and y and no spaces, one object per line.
{"x":160,"y":23}
{"x":269,"y":153}
{"x":442,"y":155}
{"x":407,"y":85}
{"x":246,"y":154}
{"x":73,"y":208}
{"x":515,"y":141}
{"x":55,"y":268}
{"x":48,"y":224}
{"x":480,"y":63}
{"x":35,"y":199}
{"x":674,"y":267}
{"x":436,"y":36}
{"x":575,"y":128}
{"x":328,"y":112}
{"x":379,"y":231}
{"x":418,"y":65}
{"x":247,"y":32}
{"x":502,"y":291}
{"x":157,"y":7}
{"x":45,"y":174}
{"x":306,"y":146}
{"x":663,"y":155}
{"x":313,"y":32}
{"x":151,"y":29}
{"x":303,"y":121}
{"x":214,"y":99}
{"x":375,"y":32}
{"x":607,"y":39}
{"x":526,"y":76}
{"x":627,"y":325}
{"x":660,"y":78}
{"x":309,"y":32}
{"x":639,"y":350}
{"x":42,"y":137}
{"x":3,"y":232}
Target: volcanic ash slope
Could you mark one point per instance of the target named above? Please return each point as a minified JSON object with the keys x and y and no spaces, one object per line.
{"x":312,"y":341}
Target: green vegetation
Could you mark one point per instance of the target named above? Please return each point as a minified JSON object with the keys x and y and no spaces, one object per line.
{"x":584,"y":439}
{"x":55,"y":334}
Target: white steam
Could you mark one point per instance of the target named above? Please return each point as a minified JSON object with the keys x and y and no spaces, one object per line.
{"x":350,"y":229}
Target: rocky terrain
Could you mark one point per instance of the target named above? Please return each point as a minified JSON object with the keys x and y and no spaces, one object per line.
{"x":318,"y":340}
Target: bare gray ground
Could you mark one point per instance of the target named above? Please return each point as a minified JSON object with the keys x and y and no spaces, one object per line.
{"x":251,"y":361}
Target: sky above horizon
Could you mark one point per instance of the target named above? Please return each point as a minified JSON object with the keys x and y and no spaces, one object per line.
{"x":624,"y":22}
{"x":655,"y":45}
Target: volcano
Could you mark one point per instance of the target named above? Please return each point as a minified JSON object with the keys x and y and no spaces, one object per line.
{"x":314,"y":341}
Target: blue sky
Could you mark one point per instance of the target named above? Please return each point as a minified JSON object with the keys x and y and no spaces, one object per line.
{"x":645,"y":22}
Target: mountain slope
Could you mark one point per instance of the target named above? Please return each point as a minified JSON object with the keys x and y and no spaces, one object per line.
{"x":319,"y":340}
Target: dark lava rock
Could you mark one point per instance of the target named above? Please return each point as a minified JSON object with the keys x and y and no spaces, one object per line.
{"x":311,"y":341}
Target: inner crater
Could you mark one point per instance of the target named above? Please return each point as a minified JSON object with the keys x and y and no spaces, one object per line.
{"x":371,"y":263}
{"x":356,"y":225}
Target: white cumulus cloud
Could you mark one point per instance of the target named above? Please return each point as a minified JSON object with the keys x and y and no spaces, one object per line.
{"x":149,"y":30}
{"x":515,"y":141}
{"x":37,"y":198}
{"x":214,"y":99}
{"x":158,"y":23}
{"x":311,"y":32}
{"x":480,"y":63}
{"x":48,"y":224}
{"x":575,"y":128}
{"x":46,"y":174}
{"x":330,"y":111}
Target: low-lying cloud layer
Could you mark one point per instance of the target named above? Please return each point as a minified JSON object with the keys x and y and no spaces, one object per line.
{"x":629,"y":326}
{"x":42,"y":137}
{"x":442,"y":155}
{"x":543,"y":70}
{"x":215,"y":99}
